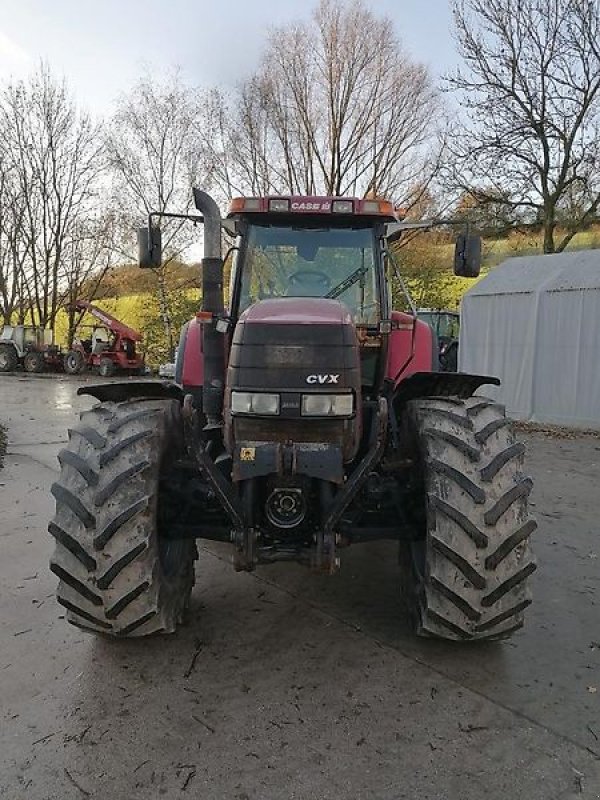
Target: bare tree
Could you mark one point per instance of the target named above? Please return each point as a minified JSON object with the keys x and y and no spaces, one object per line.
{"x":54,"y":153}
{"x":88,"y":256}
{"x":530,"y":93}
{"x":156,"y":153}
{"x":13,"y":247}
{"x":336,"y":107}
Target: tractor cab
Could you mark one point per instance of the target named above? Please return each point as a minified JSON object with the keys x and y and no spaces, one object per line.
{"x":316,"y":252}
{"x":446,"y":326}
{"x":324,"y":248}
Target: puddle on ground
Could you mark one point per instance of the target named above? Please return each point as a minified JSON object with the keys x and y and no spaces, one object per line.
{"x":63,"y":397}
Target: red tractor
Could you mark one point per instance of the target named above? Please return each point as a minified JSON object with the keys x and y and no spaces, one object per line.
{"x":306,"y":417}
{"x":111,"y":347}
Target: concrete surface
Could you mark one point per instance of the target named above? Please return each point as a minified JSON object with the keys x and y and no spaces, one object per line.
{"x":287,"y":685}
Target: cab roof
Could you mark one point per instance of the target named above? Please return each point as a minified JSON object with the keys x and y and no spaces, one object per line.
{"x":335,"y":207}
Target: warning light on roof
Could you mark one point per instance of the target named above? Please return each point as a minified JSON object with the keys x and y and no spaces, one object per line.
{"x":371,"y":207}
{"x":312,"y":205}
{"x":244,"y":204}
{"x":279,"y":204}
{"x":342,"y":206}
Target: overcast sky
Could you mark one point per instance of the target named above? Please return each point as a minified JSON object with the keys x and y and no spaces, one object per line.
{"x":102,"y":47}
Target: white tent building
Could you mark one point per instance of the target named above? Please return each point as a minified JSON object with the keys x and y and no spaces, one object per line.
{"x":534,"y":322}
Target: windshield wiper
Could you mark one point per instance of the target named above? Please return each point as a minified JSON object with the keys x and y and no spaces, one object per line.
{"x":347,"y":283}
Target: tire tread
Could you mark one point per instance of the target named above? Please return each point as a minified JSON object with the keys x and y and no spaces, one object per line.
{"x":474,"y":583}
{"x":110,"y":573}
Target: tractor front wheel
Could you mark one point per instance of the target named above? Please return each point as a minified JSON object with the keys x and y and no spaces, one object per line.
{"x":8,"y":359}
{"x":106,"y":368}
{"x":118,"y":572}
{"x":34,"y":362}
{"x":73,"y":362}
{"x":466,"y":577}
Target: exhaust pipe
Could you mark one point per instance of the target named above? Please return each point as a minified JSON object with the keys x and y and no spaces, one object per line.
{"x":212,"y":301}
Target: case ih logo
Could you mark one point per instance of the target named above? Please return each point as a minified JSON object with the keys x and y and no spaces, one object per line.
{"x":322,"y":379}
{"x":324,"y":205}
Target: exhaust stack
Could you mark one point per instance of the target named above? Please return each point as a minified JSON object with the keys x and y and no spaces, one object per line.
{"x":212,"y":301}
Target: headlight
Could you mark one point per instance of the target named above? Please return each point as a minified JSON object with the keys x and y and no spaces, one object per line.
{"x":254,"y":403}
{"x":327,"y":405}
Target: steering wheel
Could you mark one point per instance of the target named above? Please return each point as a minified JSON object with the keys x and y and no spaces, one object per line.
{"x":315,"y":279}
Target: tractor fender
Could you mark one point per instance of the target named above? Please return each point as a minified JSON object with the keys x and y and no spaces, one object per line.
{"x":134,"y":390}
{"x":439,"y":384}
{"x":402,"y":361}
{"x":189,"y":366}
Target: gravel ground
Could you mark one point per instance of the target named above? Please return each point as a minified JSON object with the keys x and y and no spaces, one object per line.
{"x":289,"y":685}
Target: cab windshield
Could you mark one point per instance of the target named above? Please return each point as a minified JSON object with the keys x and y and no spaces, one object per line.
{"x":312,"y":262}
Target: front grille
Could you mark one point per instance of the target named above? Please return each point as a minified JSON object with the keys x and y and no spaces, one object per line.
{"x":292,"y":359}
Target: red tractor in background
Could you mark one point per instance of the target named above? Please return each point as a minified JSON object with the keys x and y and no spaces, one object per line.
{"x":111,"y":347}
{"x":306,"y":417}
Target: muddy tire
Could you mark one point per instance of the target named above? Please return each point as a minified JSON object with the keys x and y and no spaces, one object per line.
{"x":467,"y":576}
{"x":9,"y":360}
{"x":106,"y":368}
{"x":73,"y":362}
{"x":117,"y":575}
{"x":34,"y":362}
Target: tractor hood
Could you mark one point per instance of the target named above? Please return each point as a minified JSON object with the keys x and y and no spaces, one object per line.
{"x":283,"y":343}
{"x":289,"y":348}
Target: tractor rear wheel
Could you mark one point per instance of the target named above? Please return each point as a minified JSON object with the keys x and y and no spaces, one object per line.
{"x":466,"y":577}
{"x":73,"y":362}
{"x":34,"y":362}
{"x":106,"y":368}
{"x":9,"y":360}
{"x":118,"y":574}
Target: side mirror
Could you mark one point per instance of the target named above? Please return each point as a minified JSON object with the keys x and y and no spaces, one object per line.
{"x":467,"y":256}
{"x":149,"y":248}
{"x":393,"y":231}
